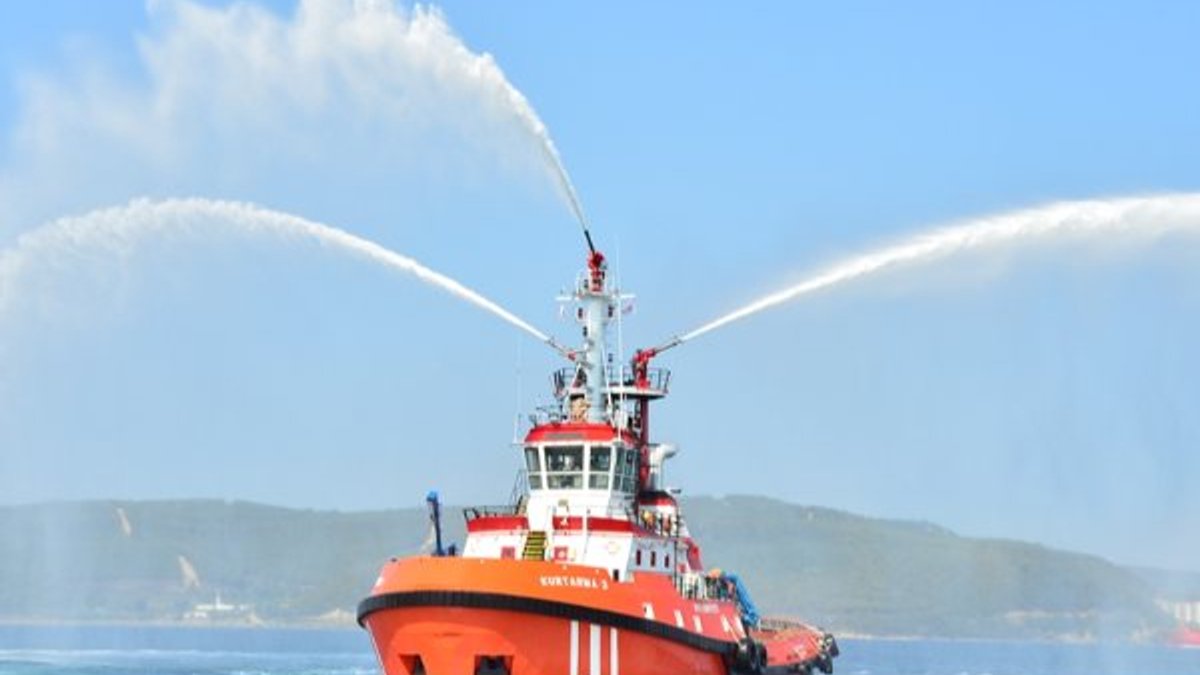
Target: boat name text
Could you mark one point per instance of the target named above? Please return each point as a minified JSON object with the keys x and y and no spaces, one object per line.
{"x":575,"y":582}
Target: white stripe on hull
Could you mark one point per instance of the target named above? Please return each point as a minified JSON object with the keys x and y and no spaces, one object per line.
{"x":614,"y":660}
{"x":594,"y":651}
{"x":574,"y":648}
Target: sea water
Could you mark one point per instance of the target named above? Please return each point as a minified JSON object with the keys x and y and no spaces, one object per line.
{"x":223,"y":651}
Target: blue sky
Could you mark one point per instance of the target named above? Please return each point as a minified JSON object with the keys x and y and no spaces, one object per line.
{"x":1044,"y":392}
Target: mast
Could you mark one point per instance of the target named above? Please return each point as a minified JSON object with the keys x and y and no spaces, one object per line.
{"x":596,"y":305}
{"x":592,"y":394}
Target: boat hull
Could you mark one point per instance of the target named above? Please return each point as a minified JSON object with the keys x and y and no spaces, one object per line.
{"x":464,"y":640}
{"x":541,"y":617}
{"x":461,"y":616}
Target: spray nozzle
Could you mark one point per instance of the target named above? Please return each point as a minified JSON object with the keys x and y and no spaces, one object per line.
{"x":596,"y":271}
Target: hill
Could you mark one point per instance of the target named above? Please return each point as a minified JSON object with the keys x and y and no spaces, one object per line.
{"x":888,"y":577}
{"x":157,"y":561}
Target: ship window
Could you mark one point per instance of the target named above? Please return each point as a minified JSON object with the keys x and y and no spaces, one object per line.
{"x":533,"y":467}
{"x":601,"y":458}
{"x":568,"y":458}
{"x":626,"y":473}
{"x":564,"y":467}
{"x":653,"y":558}
{"x":560,"y":481}
{"x":599,"y":464}
{"x":531,"y":459}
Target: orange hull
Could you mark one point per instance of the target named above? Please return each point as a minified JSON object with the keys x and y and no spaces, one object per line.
{"x":795,"y":647}
{"x":460,"y":616}
{"x":450,"y":641}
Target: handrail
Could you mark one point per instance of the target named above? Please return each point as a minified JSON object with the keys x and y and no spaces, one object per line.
{"x":472,"y":512}
{"x":657,"y":379}
{"x":520,"y":487}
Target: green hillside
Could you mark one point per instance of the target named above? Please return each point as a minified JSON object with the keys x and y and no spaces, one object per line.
{"x":84,"y":561}
{"x":74,"y":560}
{"x":904,"y":578}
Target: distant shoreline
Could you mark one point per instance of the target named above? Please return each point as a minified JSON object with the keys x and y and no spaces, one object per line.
{"x":201,"y":565}
{"x":41,"y":622}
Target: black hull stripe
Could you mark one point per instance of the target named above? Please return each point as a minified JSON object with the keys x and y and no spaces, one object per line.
{"x":560,"y":610}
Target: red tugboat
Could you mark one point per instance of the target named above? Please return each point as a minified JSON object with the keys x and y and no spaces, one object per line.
{"x":1186,"y":636}
{"x":1186,"y":613}
{"x":591,"y":570}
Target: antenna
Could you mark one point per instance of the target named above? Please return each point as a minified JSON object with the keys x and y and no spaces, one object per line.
{"x":620,"y":335}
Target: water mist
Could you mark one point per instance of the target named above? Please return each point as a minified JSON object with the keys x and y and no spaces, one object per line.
{"x":118,"y":230}
{"x":1132,"y":216}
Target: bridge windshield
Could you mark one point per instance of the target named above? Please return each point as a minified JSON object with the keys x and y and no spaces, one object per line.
{"x":575,"y":467}
{"x":626,"y":474}
{"x":599,"y":467}
{"x":564,"y":467}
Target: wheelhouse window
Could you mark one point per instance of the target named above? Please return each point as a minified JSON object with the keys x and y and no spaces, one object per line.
{"x":564,"y":467}
{"x":533,"y":466}
{"x":599,"y":466}
{"x":625,"y":478}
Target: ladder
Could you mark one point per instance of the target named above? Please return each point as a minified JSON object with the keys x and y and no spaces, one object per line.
{"x":535,"y":546}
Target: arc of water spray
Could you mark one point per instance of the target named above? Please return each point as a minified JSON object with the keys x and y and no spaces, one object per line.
{"x":565,"y":182}
{"x":534,"y":124}
{"x":1138,"y":215}
{"x":117,"y":229}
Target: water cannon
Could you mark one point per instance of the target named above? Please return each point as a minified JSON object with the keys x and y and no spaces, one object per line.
{"x":597,"y":268}
{"x":566,"y":352}
{"x":587,"y":235}
{"x":641,"y":367}
{"x":641,"y":361}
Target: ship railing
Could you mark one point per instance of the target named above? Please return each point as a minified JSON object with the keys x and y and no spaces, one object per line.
{"x":565,"y":381}
{"x":657,"y":524}
{"x":472,"y":512}
{"x":776,"y":624}
{"x":658,"y":379}
{"x":698,"y":586}
{"x":690,"y":586}
{"x":546,"y":414}
{"x":520,"y":490}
